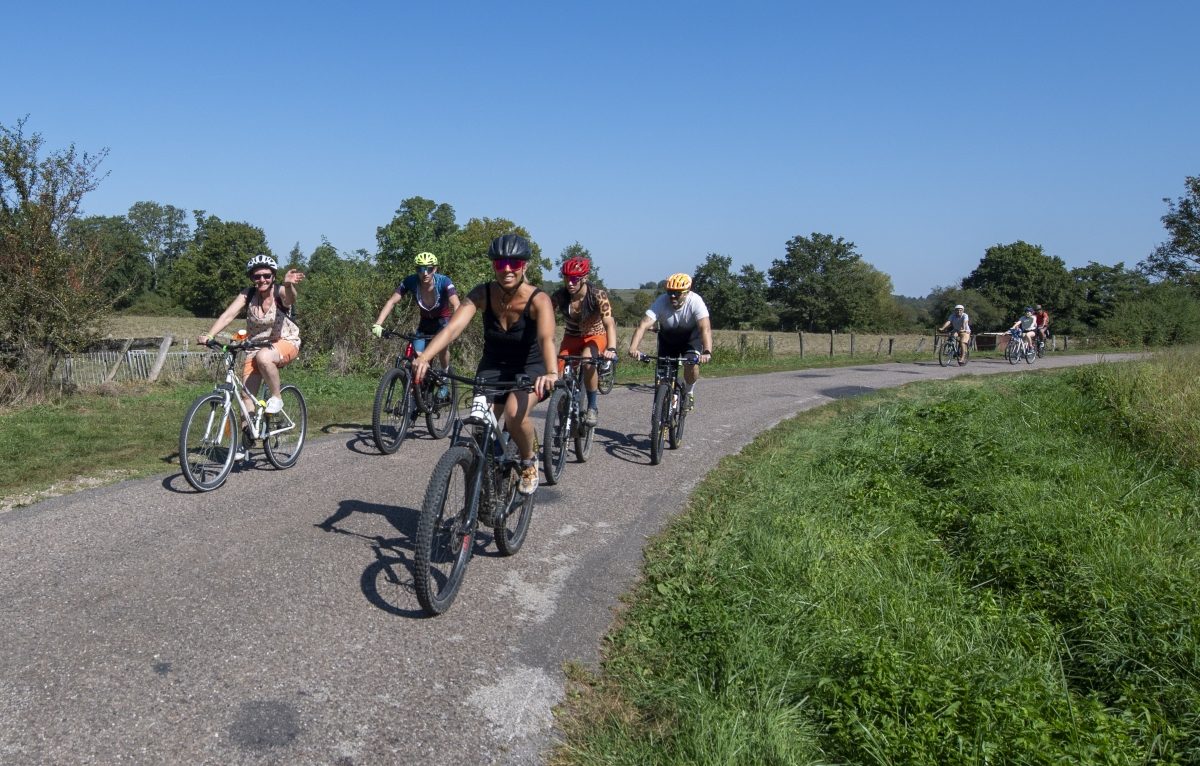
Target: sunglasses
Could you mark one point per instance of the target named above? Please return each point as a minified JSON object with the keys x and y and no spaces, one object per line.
{"x":423,"y":270}
{"x":261,"y":277}
{"x":574,"y":280}
{"x":508,"y":264}
{"x":677,"y":293}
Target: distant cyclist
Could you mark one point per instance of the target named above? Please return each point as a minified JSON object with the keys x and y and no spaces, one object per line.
{"x":267,"y":319}
{"x":590,"y":327}
{"x":1027,"y":324}
{"x":518,"y":339}
{"x":961,"y":323}
{"x":436,"y":300}
{"x":1043,"y":322}
{"x":683,"y":328}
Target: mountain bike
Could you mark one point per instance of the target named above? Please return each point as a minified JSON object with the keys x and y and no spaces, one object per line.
{"x":1041,"y":345}
{"x":564,"y":418}
{"x":670,"y":409}
{"x":474,"y":482}
{"x":398,"y":401}
{"x":949,"y":351}
{"x":1018,"y":348}
{"x":608,"y":374}
{"x":212,"y":433}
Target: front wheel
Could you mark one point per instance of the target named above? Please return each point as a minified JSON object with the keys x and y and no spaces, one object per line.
{"x":286,"y":429}
{"x":510,"y":521}
{"x":946,"y":353}
{"x":441,"y":407}
{"x":208,"y":440}
{"x":1012,"y":352}
{"x":393,"y":412}
{"x":446,"y":530}
{"x":554,"y":438}
{"x":676,"y":433}
{"x":659,"y":421}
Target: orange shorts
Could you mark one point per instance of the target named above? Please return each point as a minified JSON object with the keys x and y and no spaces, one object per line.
{"x":575,"y":345}
{"x":285,"y":353}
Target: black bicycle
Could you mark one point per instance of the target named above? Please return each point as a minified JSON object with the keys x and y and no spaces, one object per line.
{"x":474,"y":482}
{"x":564,"y":418}
{"x":398,"y":401}
{"x":670,"y":406}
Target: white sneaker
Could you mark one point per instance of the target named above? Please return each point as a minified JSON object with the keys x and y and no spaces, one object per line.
{"x":274,"y":404}
{"x":240,"y":455}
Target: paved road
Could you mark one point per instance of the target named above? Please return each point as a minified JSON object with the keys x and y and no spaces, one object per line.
{"x":273,"y":621}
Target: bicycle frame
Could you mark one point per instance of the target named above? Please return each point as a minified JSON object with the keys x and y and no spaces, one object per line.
{"x":234,"y":388}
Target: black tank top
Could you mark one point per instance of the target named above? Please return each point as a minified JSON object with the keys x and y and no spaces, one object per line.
{"x":515,"y":347}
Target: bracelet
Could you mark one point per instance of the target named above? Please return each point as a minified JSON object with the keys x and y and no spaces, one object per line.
{"x":611,"y":348}
{"x":707,"y":351}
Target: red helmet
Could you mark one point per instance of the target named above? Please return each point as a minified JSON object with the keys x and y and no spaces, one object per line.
{"x":576,"y":267}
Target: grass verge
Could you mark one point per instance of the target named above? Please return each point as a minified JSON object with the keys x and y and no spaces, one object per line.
{"x":996,"y":570}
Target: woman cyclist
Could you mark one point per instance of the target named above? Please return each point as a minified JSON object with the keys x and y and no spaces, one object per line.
{"x":518,"y":339}
{"x":683,"y":328}
{"x":589,"y":325}
{"x":436,"y":298}
{"x":268,"y":318}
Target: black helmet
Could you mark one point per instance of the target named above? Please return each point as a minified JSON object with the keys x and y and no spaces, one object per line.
{"x":509,"y":246}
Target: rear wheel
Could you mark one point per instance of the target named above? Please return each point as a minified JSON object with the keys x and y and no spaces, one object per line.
{"x":393,"y":412}
{"x":441,"y":407}
{"x":659,"y":421}
{"x":554,"y":438}
{"x":511,"y":524}
{"x":445,"y":531}
{"x":208,"y":441}
{"x":1030,"y":354}
{"x":285,"y":430}
{"x":946,"y":353}
{"x":608,"y":371}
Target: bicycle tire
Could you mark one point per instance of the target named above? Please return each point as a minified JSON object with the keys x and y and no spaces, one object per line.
{"x":946,"y":353}
{"x":510,"y":527}
{"x":1011,"y":351}
{"x":286,"y":429}
{"x":675,"y":436}
{"x":1030,"y":355}
{"x":208,"y":440}
{"x":392,"y":415}
{"x":607,"y":375}
{"x":440,"y":413}
{"x":446,"y":530}
{"x":583,"y":440}
{"x":659,"y":421}
{"x":554,"y":437}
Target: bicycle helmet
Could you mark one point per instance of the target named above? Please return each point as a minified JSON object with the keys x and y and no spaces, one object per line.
{"x":960,"y":306}
{"x":260,"y":261}
{"x":425,"y":259}
{"x":1029,"y":309}
{"x":509,"y":246}
{"x":679,"y":282}
{"x":576,"y":267}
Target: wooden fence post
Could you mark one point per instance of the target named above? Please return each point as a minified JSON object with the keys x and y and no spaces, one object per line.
{"x":120,"y":358}
{"x":879,"y":348}
{"x":921,"y":345}
{"x":831,"y":342}
{"x":743,"y":341}
{"x":891,"y":341}
{"x":851,"y":344}
{"x":161,"y":359}
{"x":771,"y":346}
{"x":801,"y":336}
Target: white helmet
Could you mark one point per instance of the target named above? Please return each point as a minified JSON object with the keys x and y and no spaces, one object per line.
{"x":259,"y":261}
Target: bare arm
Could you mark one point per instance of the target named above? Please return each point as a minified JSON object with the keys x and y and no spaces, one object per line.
{"x":543,"y":311}
{"x":448,"y":334}
{"x":636,"y":340}
{"x":386,"y":311}
{"x":705,"y":326}
{"x":228,"y":315}
{"x":288,"y":292}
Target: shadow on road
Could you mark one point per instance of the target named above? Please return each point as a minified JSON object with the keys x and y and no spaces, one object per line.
{"x":387,"y":581}
{"x":632,"y":448}
{"x":846,"y":392}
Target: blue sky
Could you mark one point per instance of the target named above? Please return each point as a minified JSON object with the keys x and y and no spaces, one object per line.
{"x":652,"y":133}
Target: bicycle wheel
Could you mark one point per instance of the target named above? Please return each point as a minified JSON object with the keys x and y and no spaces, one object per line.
{"x":659,"y":421}
{"x":286,"y":429}
{"x":554,"y":438}
{"x":946,"y":353}
{"x":445,"y":530}
{"x":1011,"y":352}
{"x":392,"y":416}
{"x":608,"y":373}
{"x":510,"y":526}
{"x":1030,"y":354}
{"x":676,"y":433}
{"x":208,"y":440}
{"x":441,"y":411}
{"x":583,"y":437}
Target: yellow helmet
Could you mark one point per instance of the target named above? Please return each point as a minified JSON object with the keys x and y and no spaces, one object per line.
{"x":679,"y":282}
{"x":425,"y":259}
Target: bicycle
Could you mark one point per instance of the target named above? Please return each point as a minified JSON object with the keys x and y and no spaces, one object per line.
{"x":211,"y":431}
{"x":669,"y":414}
{"x":950,"y":349}
{"x":474,"y":482}
{"x":1041,"y":344}
{"x":1018,"y":348}
{"x":398,"y":401}
{"x":564,"y":418}
{"x":608,"y":374}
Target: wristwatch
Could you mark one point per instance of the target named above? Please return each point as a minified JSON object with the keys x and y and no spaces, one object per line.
{"x":707,"y":351}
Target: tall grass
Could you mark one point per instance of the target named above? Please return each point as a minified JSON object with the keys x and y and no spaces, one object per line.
{"x":967,"y":572}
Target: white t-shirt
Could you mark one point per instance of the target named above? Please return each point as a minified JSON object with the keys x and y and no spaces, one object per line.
{"x":674,"y":321}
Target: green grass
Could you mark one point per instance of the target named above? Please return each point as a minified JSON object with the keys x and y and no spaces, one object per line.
{"x":979,"y":571}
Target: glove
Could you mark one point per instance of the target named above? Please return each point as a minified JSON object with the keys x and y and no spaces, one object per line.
{"x":377,"y":330}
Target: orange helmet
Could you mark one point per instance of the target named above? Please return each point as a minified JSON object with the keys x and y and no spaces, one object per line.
{"x":679,"y":282}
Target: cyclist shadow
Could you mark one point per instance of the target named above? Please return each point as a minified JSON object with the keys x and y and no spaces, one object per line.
{"x":387,"y":581}
{"x":363,"y":442}
{"x":177,"y":484}
{"x":631,"y":448}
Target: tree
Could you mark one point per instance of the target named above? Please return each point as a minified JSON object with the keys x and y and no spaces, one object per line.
{"x":1101,"y":289}
{"x":1020,"y":274}
{"x":823,"y":284}
{"x":1178,"y":259}
{"x":575,"y":250}
{"x":130,"y":274}
{"x":52,"y":295}
{"x":165,"y":232}
{"x":213,"y":268}
{"x":985,"y":316}
{"x":419,"y":225}
{"x":467,"y":261}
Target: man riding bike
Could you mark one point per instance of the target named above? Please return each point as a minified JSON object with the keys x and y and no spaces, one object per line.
{"x":1043,"y":322}
{"x":961,"y":323}
{"x":683,"y":328}
{"x":436,"y":298}
{"x":590,"y":327}
{"x":518,"y":339}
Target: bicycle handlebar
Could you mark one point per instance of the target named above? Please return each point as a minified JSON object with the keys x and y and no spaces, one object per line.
{"x":688,"y":359}
{"x":484,"y":387}
{"x":405,"y":335}
{"x":236,"y":347}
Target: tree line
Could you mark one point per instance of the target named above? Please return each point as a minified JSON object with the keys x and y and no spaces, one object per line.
{"x":62,"y":274}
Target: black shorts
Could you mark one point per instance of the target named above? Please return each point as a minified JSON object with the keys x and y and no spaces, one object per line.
{"x":491,"y":371}
{"x":678,"y":345}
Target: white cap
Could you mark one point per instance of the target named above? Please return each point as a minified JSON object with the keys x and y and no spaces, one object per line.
{"x":960,"y":306}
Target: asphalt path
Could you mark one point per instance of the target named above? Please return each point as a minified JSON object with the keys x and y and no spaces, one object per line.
{"x":273,"y":621}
